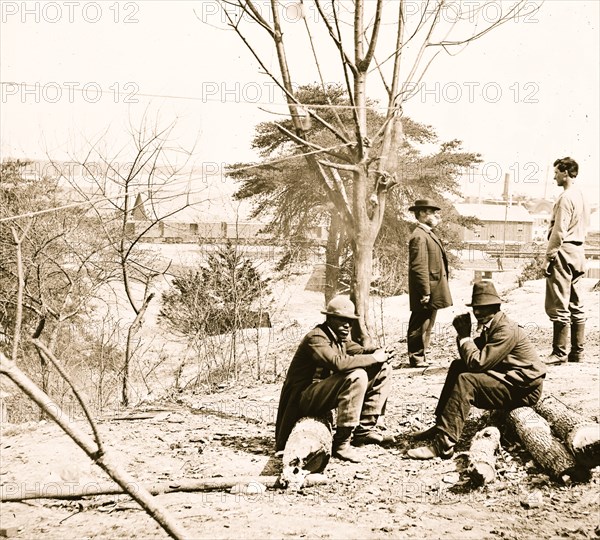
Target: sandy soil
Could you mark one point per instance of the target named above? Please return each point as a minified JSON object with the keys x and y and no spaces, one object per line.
{"x":230,"y":433}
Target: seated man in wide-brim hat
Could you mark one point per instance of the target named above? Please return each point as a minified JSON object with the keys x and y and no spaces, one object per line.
{"x":330,"y":371}
{"x":500,"y":369}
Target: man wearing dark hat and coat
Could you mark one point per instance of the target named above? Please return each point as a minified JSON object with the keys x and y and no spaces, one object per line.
{"x":428,"y":288}
{"x":330,"y":371}
{"x":500,"y":369}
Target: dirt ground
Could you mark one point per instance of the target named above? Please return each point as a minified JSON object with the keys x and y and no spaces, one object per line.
{"x":230,"y":433}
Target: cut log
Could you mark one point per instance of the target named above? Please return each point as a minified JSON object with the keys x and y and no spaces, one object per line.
{"x":307,"y":450}
{"x":481,"y":466}
{"x":548,"y":452}
{"x":581,"y":435}
{"x":76,"y":491}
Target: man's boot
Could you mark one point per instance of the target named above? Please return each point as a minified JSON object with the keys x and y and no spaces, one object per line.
{"x":368,"y":432}
{"x":577,"y":342}
{"x":342,"y":448}
{"x":442,"y":446}
{"x":559,"y":344}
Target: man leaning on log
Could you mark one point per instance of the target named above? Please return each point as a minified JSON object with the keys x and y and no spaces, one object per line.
{"x":330,"y":371}
{"x":500,"y":369}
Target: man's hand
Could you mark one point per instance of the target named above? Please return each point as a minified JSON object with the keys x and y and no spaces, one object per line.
{"x":462,"y":325}
{"x":425,"y":299}
{"x":548,"y":269}
{"x":381,"y":356}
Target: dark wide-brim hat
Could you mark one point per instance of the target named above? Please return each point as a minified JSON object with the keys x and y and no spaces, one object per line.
{"x":484,"y":294}
{"x":422,"y":204}
{"x":342,"y":307}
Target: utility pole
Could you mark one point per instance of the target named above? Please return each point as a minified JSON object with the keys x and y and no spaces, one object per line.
{"x":546,"y":181}
{"x":506,"y":197}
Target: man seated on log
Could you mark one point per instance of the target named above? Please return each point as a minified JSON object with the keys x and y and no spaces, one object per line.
{"x":500,"y":369}
{"x":330,"y":371}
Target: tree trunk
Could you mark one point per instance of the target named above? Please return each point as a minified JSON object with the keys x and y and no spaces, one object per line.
{"x":482,"y":455}
{"x":582,"y":436}
{"x":133,"y":329}
{"x":333,"y":252}
{"x":307,"y":450}
{"x":361,"y":285}
{"x":545,"y":449}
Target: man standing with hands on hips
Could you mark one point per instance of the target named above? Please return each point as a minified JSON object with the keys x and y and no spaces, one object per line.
{"x":565,"y":256}
{"x":428,"y":288}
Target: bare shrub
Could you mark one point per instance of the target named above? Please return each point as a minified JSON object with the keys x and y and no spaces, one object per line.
{"x":533,"y":270}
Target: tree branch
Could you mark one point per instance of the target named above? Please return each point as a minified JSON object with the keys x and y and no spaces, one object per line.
{"x":127,"y":482}
{"x":336,"y":39}
{"x":304,"y":142}
{"x":364,"y":63}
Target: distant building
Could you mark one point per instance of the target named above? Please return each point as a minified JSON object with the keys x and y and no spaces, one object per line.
{"x":186,"y":224}
{"x":500,"y":223}
{"x":541,"y":224}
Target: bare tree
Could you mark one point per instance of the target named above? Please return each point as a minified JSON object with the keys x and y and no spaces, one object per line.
{"x":59,"y":258}
{"x":355,"y":33}
{"x":130,"y":194}
{"x":92,"y":446}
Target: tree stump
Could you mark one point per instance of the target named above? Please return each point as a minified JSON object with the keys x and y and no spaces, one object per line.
{"x":481,"y":465}
{"x":546,"y":450}
{"x":308,"y":450}
{"x":581,"y":435}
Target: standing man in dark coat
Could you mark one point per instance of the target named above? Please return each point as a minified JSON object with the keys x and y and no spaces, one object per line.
{"x":565,"y":255}
{"x":428,"y":288}
{"x":500,"y":369}
{"x":330,"y":371}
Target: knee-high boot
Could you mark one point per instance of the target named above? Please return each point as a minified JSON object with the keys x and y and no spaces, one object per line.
{"x":559,"y":344}
{"x":577,"y":341}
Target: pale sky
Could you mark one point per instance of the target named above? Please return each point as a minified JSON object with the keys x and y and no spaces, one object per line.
{"x":522,"y":96}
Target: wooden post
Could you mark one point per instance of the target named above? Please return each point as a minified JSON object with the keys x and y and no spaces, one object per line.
{"x":482,"y":455}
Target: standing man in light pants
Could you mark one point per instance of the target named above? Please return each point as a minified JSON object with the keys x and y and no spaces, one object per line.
{"x":565,"y":256}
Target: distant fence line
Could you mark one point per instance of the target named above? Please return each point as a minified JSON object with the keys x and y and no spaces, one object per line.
{"x":253,"y":233}
{"x":522,"y":250}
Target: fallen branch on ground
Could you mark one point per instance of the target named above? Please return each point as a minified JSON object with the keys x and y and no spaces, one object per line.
{"x":92,"y":447}
{"x":77,"y":491}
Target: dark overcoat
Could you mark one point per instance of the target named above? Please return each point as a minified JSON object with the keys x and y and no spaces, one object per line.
{"x":427,"y":270}
{"x":506,"y":353}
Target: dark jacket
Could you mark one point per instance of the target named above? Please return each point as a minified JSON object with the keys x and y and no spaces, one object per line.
{"x":427,"y":270}
{"x":318,"y":355}
{"x":507,"y":354}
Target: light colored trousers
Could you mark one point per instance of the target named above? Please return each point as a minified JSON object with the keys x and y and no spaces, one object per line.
{"x":355,"y":394}
{"x":563,"y":301}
